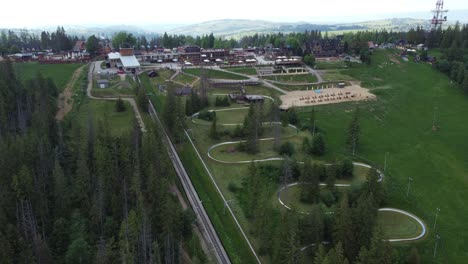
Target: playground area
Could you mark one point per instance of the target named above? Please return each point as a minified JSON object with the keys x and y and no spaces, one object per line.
{"x":325,"y":96}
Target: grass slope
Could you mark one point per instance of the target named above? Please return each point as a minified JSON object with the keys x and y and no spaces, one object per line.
{"x":397,"y":225}
{"x":60,"y":73}
{"x":293,"y":78}
{"x":214,"y":74}
{"x":399,"y":123}
{"x":224,"y":224}
{"x":119,"y":123}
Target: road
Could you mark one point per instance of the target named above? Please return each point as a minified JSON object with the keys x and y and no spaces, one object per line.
{"x":207,"y":229}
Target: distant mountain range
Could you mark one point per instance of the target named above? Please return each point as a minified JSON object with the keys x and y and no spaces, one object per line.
{"x":236,"y":28}
{"x":241,"y":27}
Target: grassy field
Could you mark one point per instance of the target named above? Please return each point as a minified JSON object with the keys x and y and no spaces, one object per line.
{"x":400,"y":123}
{"x":243,"y":70}
{"x":116,"y":88}
{"x":396,"y":225}
{"x":227,"y":230}
{"x":120,"y":123}
{"x":60,"y":73}
{"x":328,"y":65}
{"x":293,"y":78}
{"x":184,"y":78}
{"x":335,"y":75}
{"x":214,"y":74}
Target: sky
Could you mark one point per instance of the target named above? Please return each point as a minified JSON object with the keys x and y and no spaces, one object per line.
{"x":33,"y":13}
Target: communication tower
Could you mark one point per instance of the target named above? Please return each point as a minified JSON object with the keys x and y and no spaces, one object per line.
{"x":439,"y":16}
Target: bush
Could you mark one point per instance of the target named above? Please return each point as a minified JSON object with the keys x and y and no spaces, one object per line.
{"x":232,"y":187}
{"x":346,"y":168}
{"x":318,"y":145}
{"x":287,"y":148}
{"x":222,"y":101}
{"x":207,"y":115}
{"x":238,"y":132}
{"x":119,"y":105}
{"x":327,"y":197}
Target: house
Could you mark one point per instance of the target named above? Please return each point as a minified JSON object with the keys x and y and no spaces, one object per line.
{"x":79,"y":47}
{"x":371,"y":45}
{"x":125,"y":60}
{"x":103,"y":83}
{"x":326,"y":47}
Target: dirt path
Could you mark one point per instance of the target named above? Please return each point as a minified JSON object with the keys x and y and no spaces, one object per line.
{"x":65,"y":103}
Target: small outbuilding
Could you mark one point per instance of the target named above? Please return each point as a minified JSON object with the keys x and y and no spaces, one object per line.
{"x":103,"y":83}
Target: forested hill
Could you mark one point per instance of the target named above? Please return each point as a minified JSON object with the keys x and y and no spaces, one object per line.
{"x":77,"y":194}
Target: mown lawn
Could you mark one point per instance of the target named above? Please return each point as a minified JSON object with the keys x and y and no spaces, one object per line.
{"x":119,"y":123}
{"x":292,"y":78}
{"x":396,"y":225}
{"x":214,"y":74}
{"x":184,"y":78}
{"x":400,"y":123}
{"x":60,"y":73}
{"x":243,"y":70}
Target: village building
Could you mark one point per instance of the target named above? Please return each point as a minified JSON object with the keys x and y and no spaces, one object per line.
{"x":124,"y":60}
{"x":326,"y":47}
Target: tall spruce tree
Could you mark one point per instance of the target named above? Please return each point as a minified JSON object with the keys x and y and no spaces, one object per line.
{"x":354,"y":132}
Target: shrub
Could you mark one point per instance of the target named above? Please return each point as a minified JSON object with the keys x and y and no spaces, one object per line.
{"x":318,"y":145}
{"x":232,"y":187}
{"x":346,"y":168}
{"x":327,"y":197}
{"x":287,"y":148}
{"x":222,"y":101}
{"x":119,"y":105}
{"x":207,"y":115}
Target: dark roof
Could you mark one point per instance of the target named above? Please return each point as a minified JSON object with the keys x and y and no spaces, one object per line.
{"x":103,"y":81}
{"x":184,"y":91}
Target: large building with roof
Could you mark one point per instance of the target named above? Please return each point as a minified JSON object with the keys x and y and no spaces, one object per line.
{"x":125,"y":60}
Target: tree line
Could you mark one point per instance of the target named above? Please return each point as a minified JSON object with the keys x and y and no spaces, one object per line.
{"x":74,"y":193}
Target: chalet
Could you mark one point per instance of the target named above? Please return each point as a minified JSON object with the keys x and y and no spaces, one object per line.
{"x":371,"y":45}
{"x":80,"y":46}
{"x":326,"y":47}
{"x":213,"y":54}
{"x":190,"y":53}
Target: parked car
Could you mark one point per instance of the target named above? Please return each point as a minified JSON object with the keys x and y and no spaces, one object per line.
{"x":120,"y":72}
{"x":152,"y":74}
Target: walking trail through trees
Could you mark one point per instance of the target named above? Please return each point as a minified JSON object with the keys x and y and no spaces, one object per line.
{"x":65,"y":102}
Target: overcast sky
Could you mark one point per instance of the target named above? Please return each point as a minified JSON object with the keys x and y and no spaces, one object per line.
{"x":34,"y":13}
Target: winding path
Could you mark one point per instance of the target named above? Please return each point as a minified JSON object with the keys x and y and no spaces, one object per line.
{"x":417,"y":219}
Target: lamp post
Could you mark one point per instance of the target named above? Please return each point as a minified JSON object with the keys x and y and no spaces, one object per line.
{"x":409,"y":186}
{"x":437,"y":214}
{"x":436,"y":243}
{"x":385,"y":162}
{"x":226,"y":204}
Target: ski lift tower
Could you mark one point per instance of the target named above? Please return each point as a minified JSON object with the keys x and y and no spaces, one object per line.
{"x":439,"y":16}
